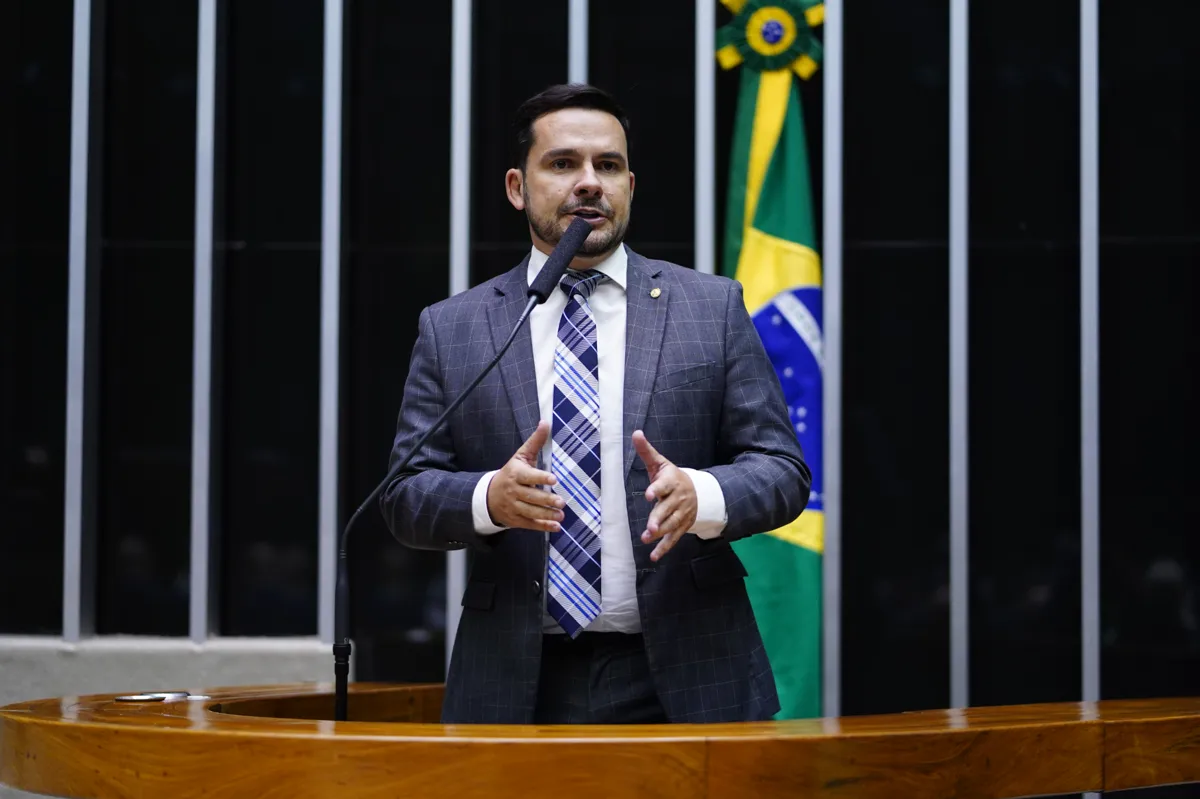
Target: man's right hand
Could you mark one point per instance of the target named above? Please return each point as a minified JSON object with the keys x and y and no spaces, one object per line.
{"x":514,"y":498}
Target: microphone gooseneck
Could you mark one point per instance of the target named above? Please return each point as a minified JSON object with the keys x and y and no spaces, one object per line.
{"x":545,"y":282}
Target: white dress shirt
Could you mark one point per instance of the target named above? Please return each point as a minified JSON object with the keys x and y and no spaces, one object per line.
{"x":618,"y":595}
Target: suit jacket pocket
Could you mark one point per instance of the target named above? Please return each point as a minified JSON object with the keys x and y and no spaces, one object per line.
{"x":718,"y":567}
{"x":683,"y":376}
{"x":479,"y":595}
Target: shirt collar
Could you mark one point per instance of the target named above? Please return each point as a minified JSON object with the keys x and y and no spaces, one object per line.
{"x":614,"y":266}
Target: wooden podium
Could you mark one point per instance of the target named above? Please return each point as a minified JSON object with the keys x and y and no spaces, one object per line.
{"x":277,"y":741}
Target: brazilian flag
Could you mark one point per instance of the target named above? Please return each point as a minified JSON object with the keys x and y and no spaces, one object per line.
{"x":770,"y":248}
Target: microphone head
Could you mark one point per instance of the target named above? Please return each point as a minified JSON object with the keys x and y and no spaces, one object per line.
{"x":560,"y":258}
{"x":575,"y":234}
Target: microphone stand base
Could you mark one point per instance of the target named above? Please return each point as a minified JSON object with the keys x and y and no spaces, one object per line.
{"x":341,"y":673}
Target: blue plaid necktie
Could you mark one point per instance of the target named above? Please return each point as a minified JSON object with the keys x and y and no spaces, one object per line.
{"x":573,"y":570}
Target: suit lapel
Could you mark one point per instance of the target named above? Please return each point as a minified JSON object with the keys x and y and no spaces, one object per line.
{"x":517,"y":369}
{"x":645,"y":321}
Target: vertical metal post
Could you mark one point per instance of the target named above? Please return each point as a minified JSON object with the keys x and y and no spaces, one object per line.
{"x":1089,"y":338}
{"x":704,"y":193}
{"x":959,"y":483}
{"x":577,"y":41}
{"x":331,"y":303}
{"x":832,"y":400}
{"x":460,"y":242}
{"x":76,"y":598}
{"x":199,"y":621}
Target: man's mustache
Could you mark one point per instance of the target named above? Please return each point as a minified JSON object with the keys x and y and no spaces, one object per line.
{"x":599,"y":207}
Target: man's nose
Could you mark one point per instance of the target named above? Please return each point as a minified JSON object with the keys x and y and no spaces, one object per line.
{"x":589,"y":184}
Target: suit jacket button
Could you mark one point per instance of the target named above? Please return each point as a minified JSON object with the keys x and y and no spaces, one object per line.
{"x":537,"y":588}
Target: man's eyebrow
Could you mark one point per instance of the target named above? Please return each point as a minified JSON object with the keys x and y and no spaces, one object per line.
{"x":563,"y":152}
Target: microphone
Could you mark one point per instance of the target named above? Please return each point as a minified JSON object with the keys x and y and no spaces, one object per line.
{"x":545,"y":282}
{"x":560,"y":258}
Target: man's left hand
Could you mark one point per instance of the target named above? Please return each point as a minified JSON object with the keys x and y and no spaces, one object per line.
{"x":674,"y":494}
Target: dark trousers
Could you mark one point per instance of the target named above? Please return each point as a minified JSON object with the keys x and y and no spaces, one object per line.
{"x":599,"y":678}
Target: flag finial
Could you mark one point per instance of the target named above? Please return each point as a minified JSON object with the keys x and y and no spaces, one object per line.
{"x":769,"y":35}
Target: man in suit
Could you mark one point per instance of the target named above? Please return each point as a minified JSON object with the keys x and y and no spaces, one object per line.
{"x":599,"y":474}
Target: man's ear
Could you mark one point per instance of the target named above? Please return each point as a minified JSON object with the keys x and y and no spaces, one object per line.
{"x":513,"y":183}
{"x":631,"y":184}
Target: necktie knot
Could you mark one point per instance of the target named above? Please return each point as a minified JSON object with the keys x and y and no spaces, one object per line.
{"x":582,"y":283}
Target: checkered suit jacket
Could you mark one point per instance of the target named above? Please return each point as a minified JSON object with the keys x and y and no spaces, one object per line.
{"x":698,"y":382}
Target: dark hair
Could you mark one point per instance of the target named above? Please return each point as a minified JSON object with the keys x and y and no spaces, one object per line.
{"x":556,"y":98}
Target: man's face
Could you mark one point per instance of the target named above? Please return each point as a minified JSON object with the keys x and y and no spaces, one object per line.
{"x":578,"y":166}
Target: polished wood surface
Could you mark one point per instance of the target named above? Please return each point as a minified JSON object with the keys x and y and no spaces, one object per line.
{"x":276,"y":741}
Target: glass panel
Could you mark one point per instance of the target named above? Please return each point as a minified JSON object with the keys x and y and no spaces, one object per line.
{"x":1149,"y":522}
{"x":145,"y":442}
{"x":35,"y":67}
{"x":657,"y":90}
{"x":503,"y":79}
{"x":397,"y":201}
{"x":895,"y":444}
{"x":144,"y":462}
{"x":1024,"y":439}
{"x":1024,"y":356}
{"x":1149,"y":353}
{"x":269,"y":318}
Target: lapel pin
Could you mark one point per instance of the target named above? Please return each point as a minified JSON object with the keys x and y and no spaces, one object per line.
{"x":655,"y":292}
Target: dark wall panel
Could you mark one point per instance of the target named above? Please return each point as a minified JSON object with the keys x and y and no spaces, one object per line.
{"x":895,"y":414}
{"x":1024,"y":356}
{"x":35,"y":104}
{"x":1150,"y":352}
{"x":396,"y":238}
{"x":504,"y":77}
{"x":268,"y":313}
{"x":657,"y":91}
{"x":147,"y":142}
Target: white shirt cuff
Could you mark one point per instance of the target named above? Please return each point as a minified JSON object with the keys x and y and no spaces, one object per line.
{"x":479,"y":508}
{"x":710,"y":504}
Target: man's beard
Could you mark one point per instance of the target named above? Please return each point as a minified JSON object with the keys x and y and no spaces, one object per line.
{"x":597,"y":242}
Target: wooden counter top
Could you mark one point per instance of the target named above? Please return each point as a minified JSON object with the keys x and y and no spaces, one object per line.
{"x":275,"y":741}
